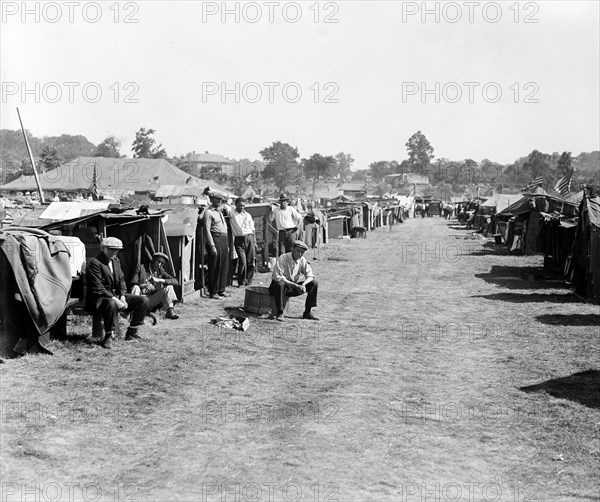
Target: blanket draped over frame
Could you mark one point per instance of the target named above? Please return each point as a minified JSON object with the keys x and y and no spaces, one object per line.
{"x":42,"y":273}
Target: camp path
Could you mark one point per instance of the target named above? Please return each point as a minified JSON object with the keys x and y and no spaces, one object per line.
{"x":409,"y":386}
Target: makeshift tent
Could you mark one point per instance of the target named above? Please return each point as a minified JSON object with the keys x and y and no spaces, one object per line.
{"x":583,"y":264}
{"x":521,"y":225}
{"x":142,"y":235}
{"x":180,"y":228}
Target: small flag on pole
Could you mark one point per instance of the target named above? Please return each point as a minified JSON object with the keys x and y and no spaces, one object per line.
{"x":396,"y":181}
{"x":563,"y":185}
{"x":533,"y":183}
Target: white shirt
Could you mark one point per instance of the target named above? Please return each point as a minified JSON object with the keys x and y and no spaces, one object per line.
{"x":287,"y":268}
{"x":241,"y":223}
{"x":286,"y":218}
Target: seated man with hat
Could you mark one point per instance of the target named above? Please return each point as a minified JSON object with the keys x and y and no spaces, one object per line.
{"x":107,"y":293}
{"x":156,"y":284}
{"x":285,"y":280}
{"x":287,"y":220}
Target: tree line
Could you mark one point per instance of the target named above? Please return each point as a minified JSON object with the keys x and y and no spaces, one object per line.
{"x":282,"y":165}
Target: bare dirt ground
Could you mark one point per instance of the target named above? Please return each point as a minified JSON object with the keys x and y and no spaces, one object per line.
{"x":443,"y":369}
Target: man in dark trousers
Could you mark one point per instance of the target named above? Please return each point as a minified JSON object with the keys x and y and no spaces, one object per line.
{"x":156,"y":284}
{"x":287,"y":220}
{"x":215,"y":233}
{"x":242,"y":227}
{"x":107,"y":293}
{"x":285,"y":280}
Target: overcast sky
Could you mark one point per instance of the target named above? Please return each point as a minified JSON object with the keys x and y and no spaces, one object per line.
{"x":479,"y":79}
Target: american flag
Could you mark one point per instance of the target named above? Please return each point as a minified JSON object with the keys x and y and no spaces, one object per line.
{"x":563,"y":185}
{"x":397,"y":181}
{"x":533,"y":183}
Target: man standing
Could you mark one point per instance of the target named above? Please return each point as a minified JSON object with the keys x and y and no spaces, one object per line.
{"x":285,"y":280}
{"x":156,"y":284}
{"x":215,"y":233}
{"x":106,"y":292}
{"x":287,"y":220}
{"x":242,"y":226}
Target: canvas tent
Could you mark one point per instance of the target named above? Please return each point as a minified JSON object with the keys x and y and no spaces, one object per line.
{"x":583,"y":266}
{"x":122,"y":176}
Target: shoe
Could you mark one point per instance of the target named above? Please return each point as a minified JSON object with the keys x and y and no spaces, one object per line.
{"x":107,"y":342}
{"x":132,"y":334}
{"x":280,"y":318}
{"x":171,"y":314}
{"x":224,"y":294}
{"x":215,"y":296}
{"x":309,"y":315}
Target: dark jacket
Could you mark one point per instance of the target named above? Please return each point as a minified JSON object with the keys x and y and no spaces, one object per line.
{"x":101,"y":282}
{"x":141,"y":276}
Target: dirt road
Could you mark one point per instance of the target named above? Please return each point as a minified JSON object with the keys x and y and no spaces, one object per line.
{"x":409,"y":388}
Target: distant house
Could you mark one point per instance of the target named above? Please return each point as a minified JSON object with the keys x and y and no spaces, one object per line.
{"x":208,"y":163}
{"x":356,"y":190}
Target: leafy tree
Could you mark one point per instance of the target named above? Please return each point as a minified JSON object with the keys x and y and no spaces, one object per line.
{"x":537,"y":165}
{"x":319,"y":167}
{"x":70,"y":147}
{"x":420,"y":152}
{"x":564,"y":164}
{"x":143,"y":146}
{"x":380,"y":169}
{"x":109,"y":147}
{"x":49,"y":159}
{"x":281,"y":164}
{"x":360,"y":175}
{"x":344,"y":166}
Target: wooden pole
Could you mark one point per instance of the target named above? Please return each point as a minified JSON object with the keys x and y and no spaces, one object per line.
{"x":35,"y":174}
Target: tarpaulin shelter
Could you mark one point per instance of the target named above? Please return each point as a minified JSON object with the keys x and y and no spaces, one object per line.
{"x":583,"y":264}
{"x":520,"y":223}
{"x":142,"y":233}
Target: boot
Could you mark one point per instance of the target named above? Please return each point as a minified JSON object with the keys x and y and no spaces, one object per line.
{"x":107,"y":342}
{"x":132,"y":334}
{"x":171,"y":314}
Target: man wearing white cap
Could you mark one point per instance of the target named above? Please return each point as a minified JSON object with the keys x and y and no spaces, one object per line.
{"x":156,"y":284}
{"x":285,"y":280}
{"x":107,"y":293}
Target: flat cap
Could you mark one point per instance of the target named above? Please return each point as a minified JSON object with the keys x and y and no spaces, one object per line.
{"x":112,"y":242}
{"x":301,"y":245}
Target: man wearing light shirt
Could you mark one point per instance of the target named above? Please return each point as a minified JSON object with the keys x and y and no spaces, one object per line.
{"x":286,"y":280}
{"x":287,"y":220}
{"x":215,"y":233}
{"x":242,"y":226}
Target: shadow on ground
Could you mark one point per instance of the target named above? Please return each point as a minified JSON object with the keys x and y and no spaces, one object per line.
{"x":583,"y":387}
{"x":532,"y":298}
{"x":570,"y":319}
{"x":521,"y":278}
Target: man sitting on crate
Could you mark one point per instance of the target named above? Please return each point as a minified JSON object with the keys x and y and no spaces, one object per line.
{"x":156,"y":284}
{"x":107,"y":293}
{"x":285,"y":280}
